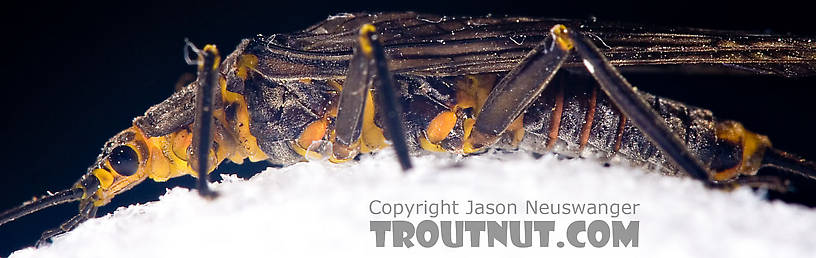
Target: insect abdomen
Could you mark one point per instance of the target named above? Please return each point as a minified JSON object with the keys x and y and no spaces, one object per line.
{"x":576,"y":119}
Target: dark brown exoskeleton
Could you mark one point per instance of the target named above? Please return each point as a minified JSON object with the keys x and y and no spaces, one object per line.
{"x":356,"y":83}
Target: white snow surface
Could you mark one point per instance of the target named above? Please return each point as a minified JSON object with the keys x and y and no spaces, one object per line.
{"x":318,"y":208}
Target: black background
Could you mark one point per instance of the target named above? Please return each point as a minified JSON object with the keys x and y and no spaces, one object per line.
{"x":76,"y":74}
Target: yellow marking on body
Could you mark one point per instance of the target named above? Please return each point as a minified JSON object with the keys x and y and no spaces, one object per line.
{"x":753,"y":149}
{"x":468,"y":146}
{"x":472,"y":91}
{"x":730,"y":132}
{"x":112,"y":183}
{"x":335,"y":160}
{"x":181,"y":141}
{"x":440,"y":126}
{"x":105,"y":177}
{"x":165,"y":157}
{"x":161,"y":158}
{"x":438,"y":129}
{"x":427,"y":145}
{"x":226,"y":140}
{"x":305,"y":152}
{"x":336,"y":85}
{"x":726,"y":174}
{"x":561,"y":35}
{"x":517,"y":130}
{"x":168,"y":156}
{"x":240,"y":127}
{"x":246,"y":62}
{"x":209,"y":48}
{"x":372,"y":138}
{"x":365,"y":39}
{"x":313,"y":132}
{"x":348,"y":151}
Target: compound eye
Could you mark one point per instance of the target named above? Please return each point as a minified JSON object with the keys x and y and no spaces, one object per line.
{"x":124,"y":160}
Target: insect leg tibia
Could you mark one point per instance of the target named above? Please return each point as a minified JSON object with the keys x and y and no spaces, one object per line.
{"x":635,"y":108}
{"x":354,"y":99}
{"x":368,"y":69}
{"x":208,"y":62}
{"x":789,"y":162}
{"x":87,"y":210}
{"x":514,"y":93}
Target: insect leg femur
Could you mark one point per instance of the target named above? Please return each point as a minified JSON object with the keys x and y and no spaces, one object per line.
{"x":368,"y":67}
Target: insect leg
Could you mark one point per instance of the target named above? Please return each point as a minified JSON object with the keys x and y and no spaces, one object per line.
{"x":86,"y":211}
{"x":514,"y":93}
{"x":208,"y":61}
{"x":368,"y":66}
{"x":511,"y":96}
{"x":773,"y":183}
{"x":349,"y":121}
{"x":635,"y":108}
{"x":65,"y":196}
{"x":789,"y":162}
